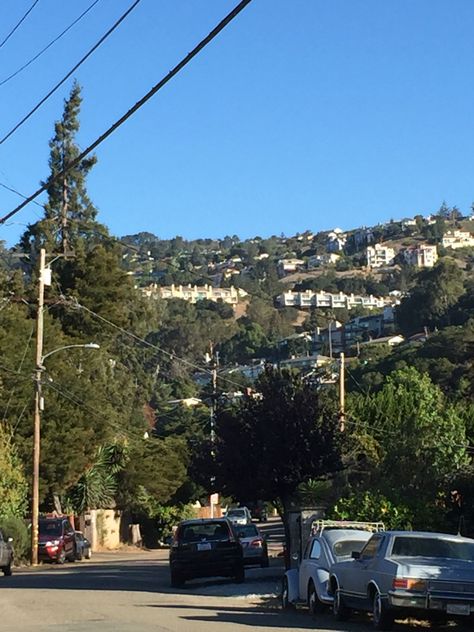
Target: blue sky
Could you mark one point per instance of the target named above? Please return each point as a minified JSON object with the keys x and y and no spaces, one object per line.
{"x":302,"y":114}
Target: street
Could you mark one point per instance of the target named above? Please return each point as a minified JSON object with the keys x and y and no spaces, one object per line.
{"x":129,"y":592}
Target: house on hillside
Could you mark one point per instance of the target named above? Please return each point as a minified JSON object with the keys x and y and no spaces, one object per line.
{"x":379,"y":256}
{"x":330,"y":258}
{"x":336,"y":240}
{"x":422,"y":256}
{"x":457,"y":239}
{"x":288,"y":266}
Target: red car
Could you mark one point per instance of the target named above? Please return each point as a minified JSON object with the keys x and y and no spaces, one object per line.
{"x":56,"y":540}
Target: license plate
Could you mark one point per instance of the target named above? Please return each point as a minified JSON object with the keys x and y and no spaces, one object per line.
{"x":458,"y":608}
{"x":204,"y":546}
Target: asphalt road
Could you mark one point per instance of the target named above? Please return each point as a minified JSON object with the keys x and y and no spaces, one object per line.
{"x":130,"y":592}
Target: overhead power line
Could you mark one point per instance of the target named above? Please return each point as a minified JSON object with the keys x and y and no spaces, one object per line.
{"x":12,"y":190}
{"x":18,"y":24}
{"x":202,"y":44}
{"x":66,"y":77}
{"x":53,"y":41}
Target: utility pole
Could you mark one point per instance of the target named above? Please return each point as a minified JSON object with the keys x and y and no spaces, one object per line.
{"x":330,"y":338}
{"x":37,"y":413}
{"x":342,"y":395}
{"x":215,"y":362}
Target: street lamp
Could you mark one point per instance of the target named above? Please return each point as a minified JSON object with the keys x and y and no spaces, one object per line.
{"x":37,"y":436}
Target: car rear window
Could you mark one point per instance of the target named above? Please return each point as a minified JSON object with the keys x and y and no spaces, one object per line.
{"x":344,"y":548}
{"x":50,"y":527}
{"x":236,"y":512}
{"x":247,"y":531}
{"x":432,"y":547}
{"x":205,"y":531}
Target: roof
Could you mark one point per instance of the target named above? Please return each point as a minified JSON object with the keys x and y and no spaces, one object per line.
{"x":198,"y":521}
{"x":425,"y":534}
{"x":334,"y":535}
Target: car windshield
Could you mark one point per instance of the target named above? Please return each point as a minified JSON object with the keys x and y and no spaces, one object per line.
{"x":248,"y":531}
{"x":432,"y":547}
{"x":344,"y":548}
{"x":50,"y":527}
{"x":205,"y":531}
{"x":237,"y":513}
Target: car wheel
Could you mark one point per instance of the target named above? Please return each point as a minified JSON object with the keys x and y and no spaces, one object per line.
{"x":314,"y":605}
{"x":61,"y":557}
{"x":7,"y":570}
{"x":79,"y":554}
{"x":177,"y":580}
{"x":239,"y":574}
{"x":88,"y":554}
{"x":339,"y":608}
{"x":285,"y":603}
{"x":383,"y":618}
{"x":72,"y":557}
{"x":265,"y":563}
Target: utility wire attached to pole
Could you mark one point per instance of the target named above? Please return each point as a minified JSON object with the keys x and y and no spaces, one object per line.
{"x":197,"y":49}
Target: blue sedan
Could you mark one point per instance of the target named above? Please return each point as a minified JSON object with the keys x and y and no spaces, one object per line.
{"x":406,"y":573}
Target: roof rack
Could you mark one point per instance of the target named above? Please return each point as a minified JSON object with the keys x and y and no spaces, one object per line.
{"x":319,"y":526}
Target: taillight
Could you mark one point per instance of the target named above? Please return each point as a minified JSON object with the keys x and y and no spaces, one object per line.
{"x":407,"y":583}
{"x":257,"y":542}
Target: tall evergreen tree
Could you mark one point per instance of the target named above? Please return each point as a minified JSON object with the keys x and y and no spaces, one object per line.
{"x":69,"y":212}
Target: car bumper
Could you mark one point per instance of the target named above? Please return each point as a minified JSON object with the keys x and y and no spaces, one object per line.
{"x":453,"y":604}
{"x":207,"y":569}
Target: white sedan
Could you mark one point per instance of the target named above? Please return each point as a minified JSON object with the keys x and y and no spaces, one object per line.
{"x":332,"y":542}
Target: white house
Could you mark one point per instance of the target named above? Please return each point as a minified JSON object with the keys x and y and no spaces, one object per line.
{"x":329,"y":258}
{"x":321,"y":299}
{"x":422,"y":256}
{"x":194,"y":293}
{"x":336,"y":241}
{"x":379,"y":256}
{"x":457,"y":239}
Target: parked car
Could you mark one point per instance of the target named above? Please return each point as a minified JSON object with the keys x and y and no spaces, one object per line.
{"x":83,"y":546}
{"x":206,"y":548}
{"x":56,"y":540}
{"x":402,"y":573}
{"x":254,"y":545}
{"x":6,"y":555}
{"x":239,"y":515}
{"x":330,"y":542}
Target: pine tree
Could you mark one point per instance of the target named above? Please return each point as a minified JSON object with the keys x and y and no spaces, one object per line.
{"x":69,"y":212}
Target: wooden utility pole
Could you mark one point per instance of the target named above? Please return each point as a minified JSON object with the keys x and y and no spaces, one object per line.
{"x":342,"y":395}
{"x":215,"y":361}
{"x":37,"y":413}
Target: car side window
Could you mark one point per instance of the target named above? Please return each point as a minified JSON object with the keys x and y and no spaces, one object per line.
{"x":370,"y":549}
{"x":315,"y":553}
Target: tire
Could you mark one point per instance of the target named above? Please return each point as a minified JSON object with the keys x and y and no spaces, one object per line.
{"x":265,"y":563}
{"x":79,"y":555}
{"x":382,"y":617}
{"x":72,"y":557}
{"x":285,"y":603}
{"x":239,"y":574}
{"x":340,"y":610}
{"x":7,"y":570}
{"x":88,"y":554}
{"x":314,"y":605}
{"x":177,"y":580}
{"x":61,"y":557}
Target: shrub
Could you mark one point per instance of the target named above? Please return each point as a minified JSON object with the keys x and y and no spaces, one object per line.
{"x":372,"y":507}
{"x":15,"y":528}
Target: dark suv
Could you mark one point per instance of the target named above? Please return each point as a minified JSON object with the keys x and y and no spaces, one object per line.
{"x":206,"y":548}
{"x":56,"y":540}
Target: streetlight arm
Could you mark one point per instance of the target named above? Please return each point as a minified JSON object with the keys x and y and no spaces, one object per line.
{"x":89,"y":345}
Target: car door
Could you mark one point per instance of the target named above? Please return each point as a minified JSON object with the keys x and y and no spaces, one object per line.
{"x":314,"y":557}
{"x":364,"y":567}
{"x":69,"y":538}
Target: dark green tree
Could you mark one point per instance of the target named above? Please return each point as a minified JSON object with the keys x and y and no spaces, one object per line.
{"x":277,"y":438}
{"x":69,"y":213}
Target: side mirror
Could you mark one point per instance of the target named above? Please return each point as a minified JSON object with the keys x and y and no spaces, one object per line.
{"x":355,"y":555}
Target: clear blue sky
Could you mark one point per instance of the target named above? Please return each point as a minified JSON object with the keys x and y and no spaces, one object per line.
{"x":302,"y":114}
